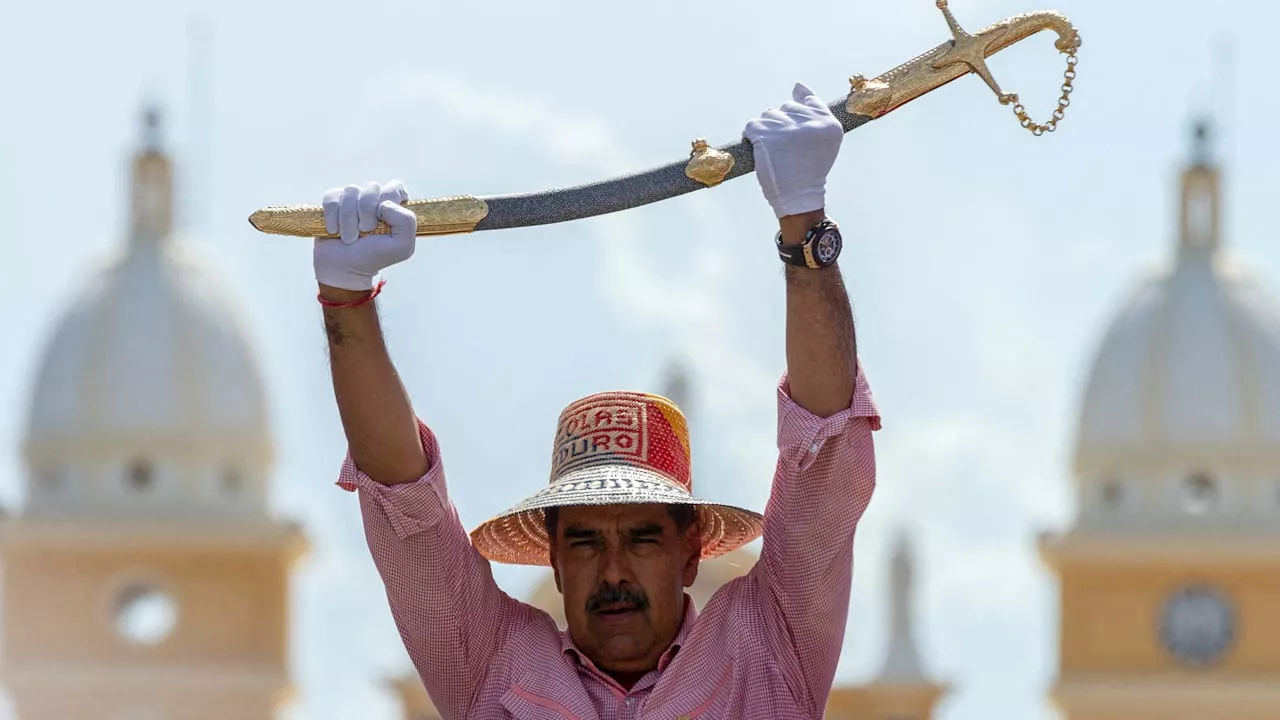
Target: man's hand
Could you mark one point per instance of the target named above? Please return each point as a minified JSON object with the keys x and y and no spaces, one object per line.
{"x":795,"y":146}
{"x":351,"y":262}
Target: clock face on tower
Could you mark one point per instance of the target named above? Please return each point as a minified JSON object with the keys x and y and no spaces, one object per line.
{"x":1198,"y":625}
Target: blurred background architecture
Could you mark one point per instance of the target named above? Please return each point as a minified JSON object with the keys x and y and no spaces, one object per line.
{"x":1170,"y":578}
{"x":144,"y":577}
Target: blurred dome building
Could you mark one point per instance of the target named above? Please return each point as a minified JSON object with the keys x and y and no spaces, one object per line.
{"x":148,"y":400}
{"x":144,"y":576}
{"x":1169,"y":607}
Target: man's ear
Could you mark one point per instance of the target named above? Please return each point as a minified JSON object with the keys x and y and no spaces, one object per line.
{"x":555,"y":566}
{"x":691,"y":542}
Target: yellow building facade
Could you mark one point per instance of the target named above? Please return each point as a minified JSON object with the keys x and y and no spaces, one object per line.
{"x":1170,"y":576}
{"x":143,"y":576}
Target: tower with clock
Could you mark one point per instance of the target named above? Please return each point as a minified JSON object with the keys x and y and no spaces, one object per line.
{"x":1170,"y":575}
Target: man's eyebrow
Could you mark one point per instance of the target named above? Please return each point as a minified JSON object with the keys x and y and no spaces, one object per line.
{"x":579,"y":532}
{"x":645,"y":530}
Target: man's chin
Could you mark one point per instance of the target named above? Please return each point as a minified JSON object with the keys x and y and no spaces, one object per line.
{"x":623,"y":644}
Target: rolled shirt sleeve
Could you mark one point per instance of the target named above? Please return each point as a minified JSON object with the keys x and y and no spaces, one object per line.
{"x":451,"y":614}
{"x":823,"y":483}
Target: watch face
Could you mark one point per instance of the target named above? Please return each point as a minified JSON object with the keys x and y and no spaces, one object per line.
{"x":826,"y":247}
{"x":1198,"y":625}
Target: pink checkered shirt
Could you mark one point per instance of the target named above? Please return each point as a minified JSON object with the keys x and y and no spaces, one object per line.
{"x":765,"y":646}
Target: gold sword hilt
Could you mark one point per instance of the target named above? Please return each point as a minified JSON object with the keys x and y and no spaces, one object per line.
{"x":963,"y":54}
{"x":436,"y":216}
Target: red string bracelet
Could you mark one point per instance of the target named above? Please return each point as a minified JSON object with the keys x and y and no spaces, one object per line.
{"x":354,"y":303}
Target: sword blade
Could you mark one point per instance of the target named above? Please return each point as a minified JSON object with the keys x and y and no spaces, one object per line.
{"x":623,"y":193}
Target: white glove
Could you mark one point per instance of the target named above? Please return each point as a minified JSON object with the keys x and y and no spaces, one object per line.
{"x":795,"y":147}
{"x":351,"y":262}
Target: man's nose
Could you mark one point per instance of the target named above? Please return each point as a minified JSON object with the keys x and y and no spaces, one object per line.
{"x":615,"y":565}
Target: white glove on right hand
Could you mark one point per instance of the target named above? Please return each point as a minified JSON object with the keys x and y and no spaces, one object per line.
{"x":351,"y":261}
{"x":795,"y":147}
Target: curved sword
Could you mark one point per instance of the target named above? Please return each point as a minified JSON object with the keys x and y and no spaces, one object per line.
{"x":708,"y":166}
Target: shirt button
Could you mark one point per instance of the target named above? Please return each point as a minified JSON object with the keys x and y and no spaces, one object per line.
{"x":814,"y":448}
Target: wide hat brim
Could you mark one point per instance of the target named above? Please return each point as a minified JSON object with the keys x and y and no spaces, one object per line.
{"x":519,"y":535}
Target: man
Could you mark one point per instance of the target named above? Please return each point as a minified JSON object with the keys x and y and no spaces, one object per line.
{"x":618,"y":522}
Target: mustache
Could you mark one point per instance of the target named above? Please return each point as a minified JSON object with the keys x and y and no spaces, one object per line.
{"x":610,"y":594}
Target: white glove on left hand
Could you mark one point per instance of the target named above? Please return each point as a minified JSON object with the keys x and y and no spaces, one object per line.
{"x":795,"y":147}
{"x":351,"y":261}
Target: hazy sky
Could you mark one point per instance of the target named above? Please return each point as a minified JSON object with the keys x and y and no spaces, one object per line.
{"x":983,"y":263}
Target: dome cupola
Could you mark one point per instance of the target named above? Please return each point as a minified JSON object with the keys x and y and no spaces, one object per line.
{"x":1180,"y":422}
{"x":148,"y":400}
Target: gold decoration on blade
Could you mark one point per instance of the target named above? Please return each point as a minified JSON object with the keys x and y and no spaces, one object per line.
{"x":872,"y":98}
{"x":437,"y":216}
{"x":708,"y":165}
{"x":963,"y":54}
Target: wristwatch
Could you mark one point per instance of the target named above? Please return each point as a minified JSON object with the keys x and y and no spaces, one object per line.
{"x":821,"y":246}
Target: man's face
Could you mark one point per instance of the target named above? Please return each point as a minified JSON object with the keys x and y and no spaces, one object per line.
{"x":622,"y":570}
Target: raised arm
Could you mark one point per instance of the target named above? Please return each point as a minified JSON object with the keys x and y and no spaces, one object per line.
{"x":450,"y":613}
{"x":826,"y":414}
{"x":822,"y":355}
{"x":381,"y":428}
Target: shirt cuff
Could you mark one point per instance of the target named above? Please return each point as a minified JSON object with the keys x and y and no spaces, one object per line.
{"x":802,"y":435}
{"x":410,"y":507}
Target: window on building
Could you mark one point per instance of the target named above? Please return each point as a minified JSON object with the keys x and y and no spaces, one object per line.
{"x":1112,"y":493}
{"x":1200,"y":216}
{"x":145,"y":614}
{"x":1200,"y":493}
{"x":140,"y":476}
{"x":232,"y":482}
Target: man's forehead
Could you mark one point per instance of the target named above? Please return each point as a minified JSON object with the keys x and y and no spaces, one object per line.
{"x":625,"y":515}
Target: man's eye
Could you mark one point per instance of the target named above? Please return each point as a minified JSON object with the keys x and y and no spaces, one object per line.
{"x":646,"y":540}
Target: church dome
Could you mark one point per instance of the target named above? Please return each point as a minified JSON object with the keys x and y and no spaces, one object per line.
{"x":1181,"y":413}
{"x":148,"y":399}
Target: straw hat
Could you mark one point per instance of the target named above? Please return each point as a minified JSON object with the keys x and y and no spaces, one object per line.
{"x":614,"y":448}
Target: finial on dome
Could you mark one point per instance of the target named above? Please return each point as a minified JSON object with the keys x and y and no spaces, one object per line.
{"x":1200,"y":212}
{"x":151,"y":135}
{"x":1202,"y":149}
{"x":152,"y":191}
